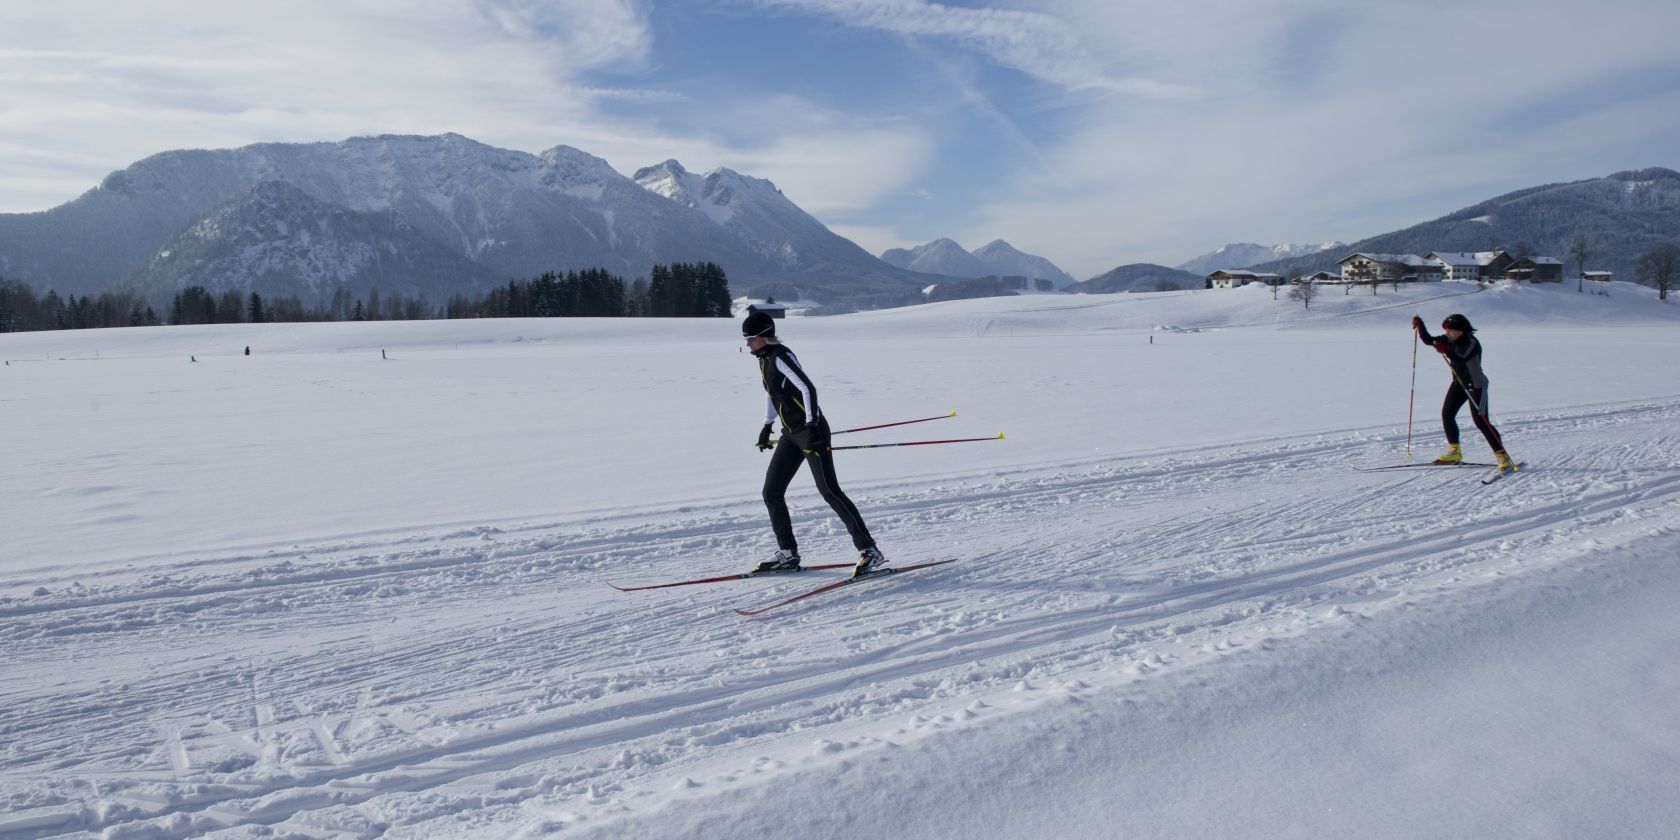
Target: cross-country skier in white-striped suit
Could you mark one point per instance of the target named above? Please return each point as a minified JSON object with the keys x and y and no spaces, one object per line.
{"x":792,"y":400}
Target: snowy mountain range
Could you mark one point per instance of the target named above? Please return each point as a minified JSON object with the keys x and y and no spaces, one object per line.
{"x":996,"y":258}
{"x":1245,"y":254}
{"x":430,"y":216}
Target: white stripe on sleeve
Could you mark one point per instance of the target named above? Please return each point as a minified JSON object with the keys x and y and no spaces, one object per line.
{"x":797,"y":376}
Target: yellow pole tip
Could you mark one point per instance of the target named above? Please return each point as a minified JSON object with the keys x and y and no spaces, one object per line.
{"x":1000,"y":436}
{"x":953,"y":414}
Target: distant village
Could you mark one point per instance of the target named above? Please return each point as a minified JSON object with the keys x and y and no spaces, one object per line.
{"x":1370,"y":269}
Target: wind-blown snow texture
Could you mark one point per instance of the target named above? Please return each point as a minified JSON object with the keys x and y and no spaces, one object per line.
{"x":312,"y":592}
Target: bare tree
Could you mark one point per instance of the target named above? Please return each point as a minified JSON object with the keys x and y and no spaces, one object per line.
{"x":1658,"y":267}
{"x":1581,"y":249}
{"x":1290,"y":273}
{"x":1304,"y":292}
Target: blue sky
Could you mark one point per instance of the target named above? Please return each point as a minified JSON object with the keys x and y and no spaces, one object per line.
{"x":1093,"y":132}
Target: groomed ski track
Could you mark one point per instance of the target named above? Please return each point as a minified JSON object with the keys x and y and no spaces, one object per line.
{"x":384,"y":686}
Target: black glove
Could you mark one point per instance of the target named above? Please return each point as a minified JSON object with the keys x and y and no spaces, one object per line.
{"x":815,"y":437}
{"x":1417,"y":323}
{"x":764,"y":438}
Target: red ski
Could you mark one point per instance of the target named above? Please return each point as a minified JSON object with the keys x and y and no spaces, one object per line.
{"x":830,"y":587}
{"x":721,"y":578}
{"x":1424,"y":465}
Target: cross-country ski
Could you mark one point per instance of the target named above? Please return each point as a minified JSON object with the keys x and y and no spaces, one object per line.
{"x":1500,"y":472}
{"x":1427,"y":465}
{"x":722,"y":578}
{"x":839,"y":584}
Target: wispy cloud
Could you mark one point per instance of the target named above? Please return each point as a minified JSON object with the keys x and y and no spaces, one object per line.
{"x":90,"y":86}
{"x":1382,"y":131}
{"x":115,"y":82}
{"x":1041,"y":45}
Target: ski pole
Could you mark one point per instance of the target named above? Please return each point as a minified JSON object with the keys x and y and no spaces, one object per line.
{"x":899,"y":423}
{"x":1474,"y":406}
{"x":1411,"y":399}
{"x":888,"y":425}
{"x":913,"y":443}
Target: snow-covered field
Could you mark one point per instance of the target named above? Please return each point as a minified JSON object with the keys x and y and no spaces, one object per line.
{"x":318,"y":592}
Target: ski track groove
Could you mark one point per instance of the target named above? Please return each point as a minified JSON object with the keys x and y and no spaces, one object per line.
{"x":1151,"y":571}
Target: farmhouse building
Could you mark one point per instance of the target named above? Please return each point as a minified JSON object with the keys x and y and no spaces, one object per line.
{"x":1231,"y":278}
{"x":1387,"y":268}
{"x":1535,"y":270}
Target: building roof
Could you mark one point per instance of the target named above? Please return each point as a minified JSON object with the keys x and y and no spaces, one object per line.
{"x":1403,"y":259}
{"x":1458,"y":258}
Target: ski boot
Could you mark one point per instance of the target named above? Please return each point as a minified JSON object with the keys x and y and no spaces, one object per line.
{"x":869,"y":560}
{"x":1504,"y":460}
{"x":782,"y":561}
{"x":1454,"y":455}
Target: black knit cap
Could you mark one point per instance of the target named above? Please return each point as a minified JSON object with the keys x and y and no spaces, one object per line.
{"x":758,"y":324}
{"x":1457,"y":322}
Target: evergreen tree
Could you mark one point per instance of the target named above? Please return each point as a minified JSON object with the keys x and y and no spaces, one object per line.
{"x":636,"y":299}
{"x":659,"y":296}
{"x":193,"y":305}
{"x":230,"y":308}
{"x":715,"y":301}
{"x":341,"y":304}
{"x":11,"y":302}
{"x":685,"y":297}
{"x":56,"y":312}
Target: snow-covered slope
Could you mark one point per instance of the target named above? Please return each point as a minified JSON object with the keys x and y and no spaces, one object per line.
{"x":1623,"y":216}
{"x":1004,"y":259}
{"x":941,"y":256}
{"x":1245,"y":254}
{"x":755,"y":213}
{"x":354,"y":584}
{"x":1138,"y":277}
{"x":279,"y":241}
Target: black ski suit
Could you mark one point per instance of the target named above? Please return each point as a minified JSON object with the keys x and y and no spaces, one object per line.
{"x":1470,"y":384}
{"x":792,"y":399}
